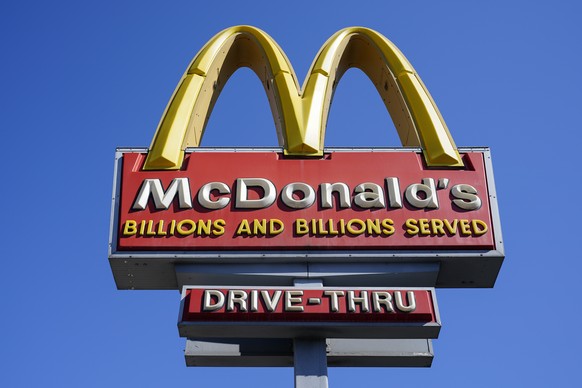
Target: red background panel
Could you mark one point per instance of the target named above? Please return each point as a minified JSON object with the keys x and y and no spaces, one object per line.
{"x":424,"y":312}
{"x":352,"y":168}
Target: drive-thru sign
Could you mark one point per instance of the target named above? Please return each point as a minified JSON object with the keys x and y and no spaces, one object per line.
{"x":302,"y":240}
{"x":320,"y":312}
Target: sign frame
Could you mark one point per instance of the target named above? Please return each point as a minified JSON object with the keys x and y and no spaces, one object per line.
{"x":457,"y":268}
{"x":312,"y":329}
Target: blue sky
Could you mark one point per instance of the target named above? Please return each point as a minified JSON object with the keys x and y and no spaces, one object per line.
{"x":78,"y":79}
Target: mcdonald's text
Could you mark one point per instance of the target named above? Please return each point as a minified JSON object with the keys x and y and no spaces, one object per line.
{"x":300,"y":195}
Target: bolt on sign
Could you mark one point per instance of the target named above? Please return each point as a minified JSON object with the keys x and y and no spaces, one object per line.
{"x":178,"y":204}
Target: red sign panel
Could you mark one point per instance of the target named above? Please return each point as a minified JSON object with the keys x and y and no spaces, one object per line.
{"x":308,"y":305}
{"x":263,"y":200}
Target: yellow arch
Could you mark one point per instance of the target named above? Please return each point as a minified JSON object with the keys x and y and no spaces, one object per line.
{"x":301,"y":115}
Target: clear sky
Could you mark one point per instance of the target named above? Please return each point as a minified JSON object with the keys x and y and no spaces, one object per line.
{"x":78,"y":79}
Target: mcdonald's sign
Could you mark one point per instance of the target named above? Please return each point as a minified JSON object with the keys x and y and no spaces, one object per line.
{"x":178,"y":204}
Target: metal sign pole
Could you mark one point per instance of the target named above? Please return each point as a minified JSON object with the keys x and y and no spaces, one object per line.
{"x":310,"y":354}
{"x":310,"y":362}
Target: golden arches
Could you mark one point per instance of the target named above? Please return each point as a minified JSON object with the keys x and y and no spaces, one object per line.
{"x":301,"y":114}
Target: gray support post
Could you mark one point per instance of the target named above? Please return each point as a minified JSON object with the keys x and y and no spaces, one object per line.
{"x":310,"y":354}
{"x":310,"y":361}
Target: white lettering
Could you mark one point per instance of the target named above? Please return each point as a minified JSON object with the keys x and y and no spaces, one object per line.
{"x":370,"y":196}
{"x":394,"y":197}
{"x":326,"y":190}
{"x":237,"y":297}
{"x":242,"y":200}
{"x":204,"y":195}
{"x":334,"y":299}
{"x":291,"y":299}
{"x":209,"y":296}
{"x":466,"y":197}
{"x":261,"y":193}
{"x":271,"y":303}
{"x":380,"y":298}
{"x":163,"y":200}
{"x":400,"y":304}
{"x":307,"y":192}
{"x":429,"y":201}
{"x":362,"y":300}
